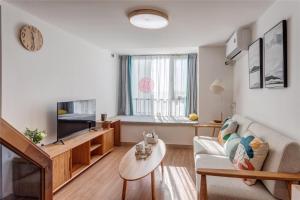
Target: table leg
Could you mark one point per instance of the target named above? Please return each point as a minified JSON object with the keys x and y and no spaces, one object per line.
{"x":212,"y":132}
{"x":196,"y":131}
{"x":124,"y":189}
{"x":162,"y":170}
{"x":153,"y":185}
{"x":218,"y":130}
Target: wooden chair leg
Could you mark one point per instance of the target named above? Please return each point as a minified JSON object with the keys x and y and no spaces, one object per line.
{"x":212,"y":132}
{"x":289,"y":184}
{"x":124,"y":189}
{"x":203,"y":188}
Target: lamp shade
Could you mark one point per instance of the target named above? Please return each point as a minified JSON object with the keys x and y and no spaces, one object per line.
{"x":217,"y":87}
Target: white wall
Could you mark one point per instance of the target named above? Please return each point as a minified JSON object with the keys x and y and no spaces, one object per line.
{"x":170,"y":134}
{"x":66,"y":68}
{"x":211,"y":67}
{"x":277,"y":108}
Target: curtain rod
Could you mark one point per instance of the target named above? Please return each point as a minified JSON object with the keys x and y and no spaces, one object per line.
{"x":179,"y":54}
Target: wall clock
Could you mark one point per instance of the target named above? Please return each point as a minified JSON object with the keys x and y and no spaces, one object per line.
{"x":31,"y":38}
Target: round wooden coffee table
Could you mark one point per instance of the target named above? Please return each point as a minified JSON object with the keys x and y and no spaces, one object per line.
{"x":131,"y":169}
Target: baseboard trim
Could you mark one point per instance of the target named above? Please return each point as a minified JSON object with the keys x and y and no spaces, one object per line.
{"x":177,"y":146}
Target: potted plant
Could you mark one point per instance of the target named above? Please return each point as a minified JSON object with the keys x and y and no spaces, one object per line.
{"x":35,"y":136}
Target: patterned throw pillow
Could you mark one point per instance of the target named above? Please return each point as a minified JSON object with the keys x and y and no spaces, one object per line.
{"x":229,"y":126}
{"x":250,"y":155}
{"x":231,"y":145}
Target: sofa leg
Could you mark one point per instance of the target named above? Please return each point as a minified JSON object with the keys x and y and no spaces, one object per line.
{"x":203,"y":188}
{"x":289,"y":184}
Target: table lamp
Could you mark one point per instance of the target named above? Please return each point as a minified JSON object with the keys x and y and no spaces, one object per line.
{"x":217,"y":88}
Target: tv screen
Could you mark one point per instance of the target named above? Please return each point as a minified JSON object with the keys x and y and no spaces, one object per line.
{"x":74,"y":116}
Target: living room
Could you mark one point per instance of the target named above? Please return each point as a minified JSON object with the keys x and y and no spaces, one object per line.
{"x":165,"y":88}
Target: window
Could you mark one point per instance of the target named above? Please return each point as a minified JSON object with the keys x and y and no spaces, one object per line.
{"x":159,"y":85}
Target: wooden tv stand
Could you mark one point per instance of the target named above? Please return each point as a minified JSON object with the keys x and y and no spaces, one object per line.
{"x":78,"y":154}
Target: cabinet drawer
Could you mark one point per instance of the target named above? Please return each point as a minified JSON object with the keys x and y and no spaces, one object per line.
{"x":61,"y":169}
{"x":108,"y":141}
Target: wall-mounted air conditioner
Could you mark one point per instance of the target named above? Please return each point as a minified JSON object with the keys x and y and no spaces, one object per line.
{"x":237,"y":44}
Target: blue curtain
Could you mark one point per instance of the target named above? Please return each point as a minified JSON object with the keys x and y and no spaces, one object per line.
{"x":191,"y":98}
{"x":124,"y":98}
{"x":129,"y":86}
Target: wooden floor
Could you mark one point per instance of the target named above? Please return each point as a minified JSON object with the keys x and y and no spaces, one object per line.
{"x":102,"y":181}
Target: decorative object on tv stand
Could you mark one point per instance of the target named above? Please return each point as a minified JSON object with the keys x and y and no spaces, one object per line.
{"x":217,"y":88}
{"x":103,"y":117}
{"x":36,"y":136}
{"x":150,"y":137}
{"x":255,"y":64}
{"x":31,"y":38}
{"x":275,"y":49}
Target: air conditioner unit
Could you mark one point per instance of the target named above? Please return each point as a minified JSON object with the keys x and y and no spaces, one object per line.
{"x":237,"y":44}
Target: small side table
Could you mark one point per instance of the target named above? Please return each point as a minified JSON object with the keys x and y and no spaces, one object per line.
{"x":212,"y":125}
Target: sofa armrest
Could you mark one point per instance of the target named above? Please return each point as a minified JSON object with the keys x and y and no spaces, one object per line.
{"x":263,"y":175}
{"x":290,"y":178}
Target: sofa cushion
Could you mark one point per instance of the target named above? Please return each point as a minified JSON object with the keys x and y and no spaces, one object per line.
{"x":284,"y":156}
{"x":243,"y":122}
{"x":227,"y":188}
{"x":207,"y":145}
{"x":231,"y":145}
{"x":230,"y":126}
{"x":250,"y":155}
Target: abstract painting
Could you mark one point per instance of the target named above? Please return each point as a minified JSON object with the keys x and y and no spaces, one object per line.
{"x":255,"y":62}
{"x":275,"y":49}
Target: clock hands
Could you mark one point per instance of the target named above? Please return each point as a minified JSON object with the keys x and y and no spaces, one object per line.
{"x":33,"y":42}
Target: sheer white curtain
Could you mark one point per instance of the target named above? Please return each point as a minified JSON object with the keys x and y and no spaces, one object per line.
{"x":159,"y":85}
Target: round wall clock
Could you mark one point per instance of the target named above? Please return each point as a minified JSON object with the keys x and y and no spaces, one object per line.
{"x":31,"y":38}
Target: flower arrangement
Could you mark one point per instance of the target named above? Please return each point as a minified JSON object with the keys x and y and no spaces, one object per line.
{"x":193,"y":117}
{"x":35,"y":136}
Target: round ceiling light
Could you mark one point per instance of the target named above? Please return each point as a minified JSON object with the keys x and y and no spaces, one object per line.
{"x":148,"y":19}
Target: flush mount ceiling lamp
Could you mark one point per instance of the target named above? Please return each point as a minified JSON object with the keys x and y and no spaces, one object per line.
{"x":148,"y":19}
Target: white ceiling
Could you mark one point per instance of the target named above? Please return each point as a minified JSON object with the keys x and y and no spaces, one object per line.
{"x":105,"y":23}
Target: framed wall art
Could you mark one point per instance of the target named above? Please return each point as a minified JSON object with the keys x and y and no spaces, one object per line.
{"x":275,"y":53}
{"x":255,"y":62}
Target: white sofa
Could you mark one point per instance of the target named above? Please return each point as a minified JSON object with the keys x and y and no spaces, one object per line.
{"x":283,"y":156}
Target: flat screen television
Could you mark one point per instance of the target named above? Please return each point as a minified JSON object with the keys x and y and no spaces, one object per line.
{"x":74,"y":116}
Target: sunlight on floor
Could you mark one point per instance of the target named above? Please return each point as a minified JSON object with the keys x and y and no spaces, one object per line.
{"x":179,"y":183}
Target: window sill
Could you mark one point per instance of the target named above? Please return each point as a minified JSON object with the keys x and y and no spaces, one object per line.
{"x":156,"y":120}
